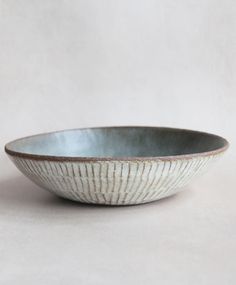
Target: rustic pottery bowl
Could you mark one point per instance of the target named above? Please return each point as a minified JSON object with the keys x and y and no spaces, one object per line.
{"x":115,"y":165}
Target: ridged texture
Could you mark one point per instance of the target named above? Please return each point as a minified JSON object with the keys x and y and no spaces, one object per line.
{"x":113,"y":182}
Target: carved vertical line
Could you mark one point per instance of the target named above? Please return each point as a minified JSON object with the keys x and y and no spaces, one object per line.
{"x":173,"y":179}
{"x":73,"y":182}
{"x":144,"y":192}
{"x":79,"y":182}
{"x":44,"y":179}
{"x":84,"y":178}
{"x":185,"y":171}
{"x":168,"y":179}
{"x":131,"y":189}
{"x":93,"y":165}
{"x":136,"y":193}
{"x":120,"y":183}
{"x":150,"y":187}
{"x":65,"y":184}
{"x":113,"y":193}
{"x":187,"y":174}
{"x":54,"y":178}
{"x":137,"y":199}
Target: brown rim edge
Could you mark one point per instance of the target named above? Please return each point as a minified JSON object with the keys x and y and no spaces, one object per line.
{"x":133,"y":158}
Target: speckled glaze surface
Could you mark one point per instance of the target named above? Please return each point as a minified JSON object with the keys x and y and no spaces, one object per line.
{"x":116,"y":165}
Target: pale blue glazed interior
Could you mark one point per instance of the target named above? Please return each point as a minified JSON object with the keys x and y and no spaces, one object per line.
{"x":118,"y":142}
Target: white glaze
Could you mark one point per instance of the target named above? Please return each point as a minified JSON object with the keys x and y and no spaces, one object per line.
{"x":114,"y":182}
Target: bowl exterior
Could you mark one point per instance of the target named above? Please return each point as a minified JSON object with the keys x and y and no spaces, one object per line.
{"x":114,"y":182}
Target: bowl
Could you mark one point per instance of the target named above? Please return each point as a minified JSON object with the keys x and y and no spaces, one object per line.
{"x":116,"y":165}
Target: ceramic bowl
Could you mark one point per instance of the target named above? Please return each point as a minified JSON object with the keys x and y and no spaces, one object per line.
{"x":115,"y":165}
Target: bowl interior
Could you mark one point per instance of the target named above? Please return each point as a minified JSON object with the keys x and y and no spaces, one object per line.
{"x":118,"y":142}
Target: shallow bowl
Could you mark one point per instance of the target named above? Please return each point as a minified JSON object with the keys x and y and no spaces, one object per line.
{"x":115,"y":165}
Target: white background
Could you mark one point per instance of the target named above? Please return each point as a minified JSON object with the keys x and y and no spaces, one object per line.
{"x":79,"y":63}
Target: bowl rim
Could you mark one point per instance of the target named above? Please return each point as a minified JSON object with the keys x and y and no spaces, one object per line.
{"x":110,"y":158}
